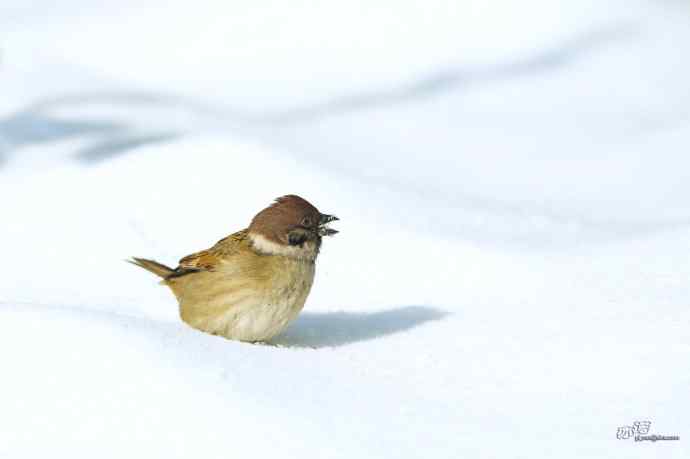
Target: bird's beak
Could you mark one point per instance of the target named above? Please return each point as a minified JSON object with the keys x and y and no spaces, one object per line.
{"x":324,"y":230}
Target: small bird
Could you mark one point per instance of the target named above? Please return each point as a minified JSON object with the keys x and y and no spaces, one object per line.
{"x":250,"y":285}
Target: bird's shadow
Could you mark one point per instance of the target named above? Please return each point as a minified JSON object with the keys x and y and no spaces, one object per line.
{"x":332,"y":329}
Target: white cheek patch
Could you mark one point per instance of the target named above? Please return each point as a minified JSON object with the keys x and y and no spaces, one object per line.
{"x":307,"y":251}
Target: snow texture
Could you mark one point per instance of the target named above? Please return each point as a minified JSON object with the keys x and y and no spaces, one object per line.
{"x":511,"y":275}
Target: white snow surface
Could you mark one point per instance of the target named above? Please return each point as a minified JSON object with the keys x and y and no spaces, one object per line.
{"x":513,"y":184}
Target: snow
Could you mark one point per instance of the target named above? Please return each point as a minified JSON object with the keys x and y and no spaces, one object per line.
{"x":510,"y":279}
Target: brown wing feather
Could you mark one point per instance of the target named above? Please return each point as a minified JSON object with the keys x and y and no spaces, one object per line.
{"x":204,"y":260}
{"x":207,"y":260}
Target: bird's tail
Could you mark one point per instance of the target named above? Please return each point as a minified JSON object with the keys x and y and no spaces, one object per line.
{"x":153,"y":266}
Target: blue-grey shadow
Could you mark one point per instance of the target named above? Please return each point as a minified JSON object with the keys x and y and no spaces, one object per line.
{"x":332,"y":329}
{"x":456,"y":77}
{"x":37,"y":124}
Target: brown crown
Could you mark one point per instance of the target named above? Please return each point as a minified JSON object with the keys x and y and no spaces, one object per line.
{"x":285,"y":214}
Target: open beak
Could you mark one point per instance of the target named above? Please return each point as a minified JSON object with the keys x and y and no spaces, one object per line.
{"x":324,"y":230}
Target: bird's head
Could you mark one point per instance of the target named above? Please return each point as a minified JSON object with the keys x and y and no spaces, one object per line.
{"x":291,"y":226}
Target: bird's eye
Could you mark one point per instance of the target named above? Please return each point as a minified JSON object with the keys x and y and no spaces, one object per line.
{"x":306,"y":221}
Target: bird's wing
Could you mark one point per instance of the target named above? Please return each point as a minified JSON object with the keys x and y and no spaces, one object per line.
{"x":207,"y":260}
{"x":204,"y":260}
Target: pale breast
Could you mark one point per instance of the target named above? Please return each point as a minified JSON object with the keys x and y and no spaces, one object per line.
{"x":248,"y":306}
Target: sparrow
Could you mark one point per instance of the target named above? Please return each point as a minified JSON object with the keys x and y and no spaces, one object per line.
{"x":250,"y":285}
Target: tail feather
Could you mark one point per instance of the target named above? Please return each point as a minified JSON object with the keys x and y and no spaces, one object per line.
{"x":156,"y":268}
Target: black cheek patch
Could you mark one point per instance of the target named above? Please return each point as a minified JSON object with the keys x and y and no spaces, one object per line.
{"x":297,"y":238}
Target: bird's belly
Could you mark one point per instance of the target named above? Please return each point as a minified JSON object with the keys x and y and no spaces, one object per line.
{"x":250,"y":313}
{"x":259,"y":322}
